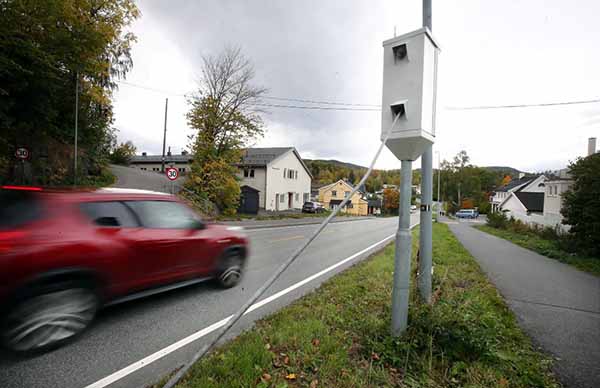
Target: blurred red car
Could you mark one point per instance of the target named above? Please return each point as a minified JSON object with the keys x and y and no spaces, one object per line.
{"x":63,"y":255}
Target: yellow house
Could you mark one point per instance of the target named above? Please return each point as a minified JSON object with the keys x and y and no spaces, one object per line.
{"x":332,"y":195}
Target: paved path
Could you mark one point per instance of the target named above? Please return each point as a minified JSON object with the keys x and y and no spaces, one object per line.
{"x":254,"y":224}
{"x":556,"y":304}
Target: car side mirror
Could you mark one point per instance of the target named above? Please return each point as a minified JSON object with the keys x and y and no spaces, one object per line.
{"x":197,"y":225}
{"x":107,"y":221}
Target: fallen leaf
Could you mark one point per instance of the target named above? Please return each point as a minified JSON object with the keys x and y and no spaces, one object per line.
{"x":314,"y":383}
{"x":286,"y":360}
{"x":266,"y":377}
{"x":268,"y":346}
{"x":375,"y":356}
{"x":316,"y":342}
{"x":291,"y":376}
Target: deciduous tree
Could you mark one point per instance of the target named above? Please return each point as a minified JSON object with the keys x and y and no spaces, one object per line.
{"x":223,"y":112}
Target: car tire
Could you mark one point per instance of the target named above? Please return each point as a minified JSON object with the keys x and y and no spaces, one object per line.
{"x":230,"y":270}
{"x":46,"y":317}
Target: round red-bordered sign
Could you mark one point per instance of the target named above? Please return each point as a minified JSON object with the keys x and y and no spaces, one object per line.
{"x":172,"y":173}
{"x":22,"y":153}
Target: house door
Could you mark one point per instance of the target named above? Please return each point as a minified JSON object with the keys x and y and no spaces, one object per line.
{"x":290,"y":200}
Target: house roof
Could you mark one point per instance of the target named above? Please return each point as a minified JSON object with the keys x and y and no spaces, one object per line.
{"x":262,"y":156}
{"x":533,"y":202}
{"x":514,"y":183}
{"x":158,"y":158}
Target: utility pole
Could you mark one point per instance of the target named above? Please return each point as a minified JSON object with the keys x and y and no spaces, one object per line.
{"x":459,"y":199}
{"x":76,"y":121}
{"x":425,"y":249}
{"x":162,"y":168}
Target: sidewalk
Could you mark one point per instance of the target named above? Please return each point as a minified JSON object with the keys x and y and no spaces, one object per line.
{"x":557,"y":305}
{"x":253,"y":224}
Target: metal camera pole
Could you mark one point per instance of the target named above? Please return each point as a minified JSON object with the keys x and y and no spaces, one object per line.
{"x":403,"y":253}
{"x":425,"y":254}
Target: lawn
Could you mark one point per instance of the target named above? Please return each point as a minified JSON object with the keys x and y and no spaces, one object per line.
{"x":338,"y":336}
{"x":546,"y":247}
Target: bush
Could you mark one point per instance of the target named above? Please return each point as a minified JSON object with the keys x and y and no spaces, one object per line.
{"x":497,"y":220}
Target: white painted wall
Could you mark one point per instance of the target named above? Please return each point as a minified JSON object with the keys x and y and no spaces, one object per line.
{"x":258,"y":182}
{"x":553,"y":202}
{"x":276,"y":183}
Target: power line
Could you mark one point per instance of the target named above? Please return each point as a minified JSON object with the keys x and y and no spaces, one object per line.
{"x":524,"y":105}
{"x":319,"y":102}
{"x":317,"y":107}
{"x":374,"y":107}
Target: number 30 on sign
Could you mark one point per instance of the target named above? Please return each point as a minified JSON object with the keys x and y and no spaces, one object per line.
{"x":172,"y":173}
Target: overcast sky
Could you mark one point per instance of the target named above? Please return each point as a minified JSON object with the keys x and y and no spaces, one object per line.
{"x":493,"y":53}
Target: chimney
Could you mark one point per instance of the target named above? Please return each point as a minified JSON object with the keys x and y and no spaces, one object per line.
{"x":144,"y":154}
{"x":169,"y":151}
{"x":521,"y":175}
{"x":591,"y":146}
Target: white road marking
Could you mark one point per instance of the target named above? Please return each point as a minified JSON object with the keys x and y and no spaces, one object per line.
{"x":209,"y":329}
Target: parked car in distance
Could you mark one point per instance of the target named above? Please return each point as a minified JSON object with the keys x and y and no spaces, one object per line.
{"x":467,"y":213}
{"x":413,"y":208}
{"x":312,"y":207}
{"x":64,"y":255}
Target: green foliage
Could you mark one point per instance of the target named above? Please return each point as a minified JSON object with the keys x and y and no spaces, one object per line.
{"x":497,"y":220}
{"x":43,"y":46}
{"x":122,"y":153}
{"x":223,"y":114}
{"x":581,"y":206}
{"x":339,"y":335}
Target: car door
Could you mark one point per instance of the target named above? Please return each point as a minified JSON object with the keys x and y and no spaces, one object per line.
{"x":170,"y":239}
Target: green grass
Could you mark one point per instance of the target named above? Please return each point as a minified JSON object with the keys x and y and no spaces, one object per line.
{"x":338,"y":336}
{"x":546,"y":247}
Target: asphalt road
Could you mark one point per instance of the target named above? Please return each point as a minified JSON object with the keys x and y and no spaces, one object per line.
{"x":129,"y":177}
{"x":557,"y":305}
{"x":127,"y":333}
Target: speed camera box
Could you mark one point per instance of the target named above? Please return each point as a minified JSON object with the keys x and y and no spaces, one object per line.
{"x":409,"y":91}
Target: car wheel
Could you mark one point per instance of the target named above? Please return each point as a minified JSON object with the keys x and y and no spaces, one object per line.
{"x":230,"y":270}
{"x":48,"y":317}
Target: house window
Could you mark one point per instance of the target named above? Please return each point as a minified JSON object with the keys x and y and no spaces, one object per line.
{"x":296,"y":172}
{"x":349,"y":205}
{"x":252,"y":173}
{"x":248,"y":173}
{"x":306,"y":197}
{"x":181,"y":169}
{"x":285,"y":172}
{"x":400,"y":53}
{"x":333,"y":193}
{"x":297,"y":197}
{"x":346,"y":194}
{"x":290,"y":174}
{"x":281,"y":197}
{"x":245,"y":173}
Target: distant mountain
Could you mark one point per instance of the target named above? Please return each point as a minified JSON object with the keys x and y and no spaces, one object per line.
{"x":335,"y":163}
{"x":504,"y":170}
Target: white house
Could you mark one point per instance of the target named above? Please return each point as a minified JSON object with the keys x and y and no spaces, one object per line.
{"x":280,"y":176}
{"x":530,"y":184}
{"x":553,"y":199}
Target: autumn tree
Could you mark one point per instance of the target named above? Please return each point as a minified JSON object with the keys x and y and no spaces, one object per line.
{"x":223,"y":112}
{"x":122,"y":153}
{"x":46,"y":48}
{"x":506,"y":180}
{"x":391,"y":201}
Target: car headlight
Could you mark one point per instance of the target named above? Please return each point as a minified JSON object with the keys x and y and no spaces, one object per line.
{"x":237,"y":230}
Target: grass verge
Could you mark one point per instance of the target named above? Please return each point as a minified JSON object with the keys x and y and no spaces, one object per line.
{"x":546,"y":247}
{"x":338,"y":336}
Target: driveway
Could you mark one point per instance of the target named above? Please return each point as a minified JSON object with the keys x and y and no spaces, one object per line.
{"x":557,"y":305}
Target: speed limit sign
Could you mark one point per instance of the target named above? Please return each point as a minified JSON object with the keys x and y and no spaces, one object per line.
{"x":172,"y":173}
{"x":22,"y":153}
